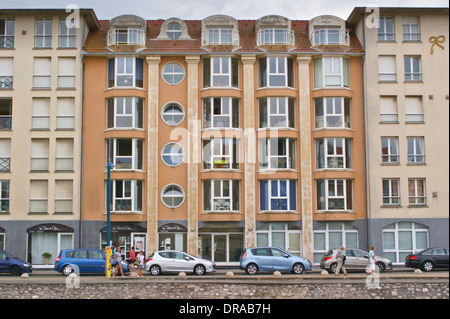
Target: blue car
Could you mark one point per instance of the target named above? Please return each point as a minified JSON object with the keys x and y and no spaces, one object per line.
{"x":272,"y":259}
{"x":87,"y":261}
{"x":13,"y":265}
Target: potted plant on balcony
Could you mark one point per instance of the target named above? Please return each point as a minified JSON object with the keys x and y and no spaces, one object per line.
{"x":46,"y":256}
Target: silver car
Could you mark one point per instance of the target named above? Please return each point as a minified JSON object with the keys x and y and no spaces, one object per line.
{"x":177,"y":261}
{"x":356,"y":259}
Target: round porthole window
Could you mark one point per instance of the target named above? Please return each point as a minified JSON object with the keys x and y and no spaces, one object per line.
{"x":172,"y":196}
{"x":172,"y":154}
{"x":172,"y":114}
{"x":173,"y":31}
{"x":173,"y":73}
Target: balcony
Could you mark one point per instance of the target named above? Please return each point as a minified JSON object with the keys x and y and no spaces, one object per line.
{"x":128,"y":36}
{"x":329,"y":36}
{"x":271,"y":36}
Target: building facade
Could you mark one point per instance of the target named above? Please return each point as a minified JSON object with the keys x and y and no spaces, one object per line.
{"x":406,"y":80}
{"x":223,"y":134}
{"x":40,"y":130}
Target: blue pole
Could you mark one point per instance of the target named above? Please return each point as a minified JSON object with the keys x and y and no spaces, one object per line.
{"x":108,"y":195}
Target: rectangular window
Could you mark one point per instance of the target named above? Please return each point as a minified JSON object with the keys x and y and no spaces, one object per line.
{"x":391,"y":191}
{"x":65,"y":114}
{"x":327,"y":35}
{"x":64,"y":154}
{"x":332,"y":153}
{"x":411,"y":29}
{"x":126,"y":196}
{"x":4,"y":198}
{"x":6,"y":33}
{"x":388,"y":109}
{"x":331,"y":72}
{"x":416,"y":154}
{"x":66,"y":73}
{"x":5,"y":154}
{"x":38,"y":196}
{"x":221,"y":112}
{"x":43,"y":33}
{"x":414,"y":109}
{"x":332,"y":112}
{"x":125,"y":72}
{"x":220,"y":72}
{"x":389,"y":150}
{"x":42,"y":71}
{"x":39,"y":154}
{"x":221,"y":153}
{"x":5,"y":113}
{"x":67,"y":36}
{"x":278,"y":195}
{"x":273,"y":36}
{"x":41,"y":114}
{"x":386,"y":29}
{"x":219,"y":36}
{"x":276,"y":72}
{"x":6,"y":73}
{"x":221,"y":195}
{"x":63,"y":196}
{"x":386,"y":68}
{"x":126,"y":153}
{"x":125,"y":112}
{"x":413,"y":71}
{"x":334,"y":194}
{"x":416,"y":192}
{"x":276,"y":112}
{"x":277,"y":153}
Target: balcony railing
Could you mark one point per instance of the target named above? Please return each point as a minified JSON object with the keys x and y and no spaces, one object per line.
{"x":6,"y":82}
{"x":6,"y":41}
{"x":328,"y":36}
{"x":220,"y":37}
{"x":5,"y":122}
{"x":129,"y":36}
{"x":269,"y":36}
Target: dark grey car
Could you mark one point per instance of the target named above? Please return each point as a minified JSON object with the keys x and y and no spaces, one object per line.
{"x":356,"y":259}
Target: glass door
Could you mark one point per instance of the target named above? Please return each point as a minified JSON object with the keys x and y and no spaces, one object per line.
{"x":220,"y":248}
{"x":65,"y":241}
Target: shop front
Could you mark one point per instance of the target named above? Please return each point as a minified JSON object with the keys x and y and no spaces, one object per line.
{"x":125,"y":236}
{"x":223,"y":244}
{"x":45,"y":241}
{"x":172,"y":236}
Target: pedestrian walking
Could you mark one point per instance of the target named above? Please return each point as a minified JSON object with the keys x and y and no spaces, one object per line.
{"x":340,"y":257}
{"x":372,"y":259}
{"x":140,"y":259}
{"x":132,"y":258}
{"x":118,"y":262}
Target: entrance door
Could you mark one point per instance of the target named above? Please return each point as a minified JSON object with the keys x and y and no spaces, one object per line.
{"x":65,"y":241}
{"x":138,"y":242}
{"x":220,"y":248}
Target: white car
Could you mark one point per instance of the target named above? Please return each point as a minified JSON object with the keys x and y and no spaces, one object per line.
{"x":177,"y":261}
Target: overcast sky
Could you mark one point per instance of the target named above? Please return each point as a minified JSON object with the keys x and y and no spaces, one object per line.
{"x":239,"y":9}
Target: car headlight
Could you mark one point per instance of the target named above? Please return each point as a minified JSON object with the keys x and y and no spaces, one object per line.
{"x":26,"y":265}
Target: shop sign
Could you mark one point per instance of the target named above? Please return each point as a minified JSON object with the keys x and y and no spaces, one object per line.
{"x":172,"y":228}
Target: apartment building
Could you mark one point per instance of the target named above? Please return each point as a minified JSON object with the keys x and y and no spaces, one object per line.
{"x":224,"y":134}
{"x":40,"y":129}
{"x":406,"y":81}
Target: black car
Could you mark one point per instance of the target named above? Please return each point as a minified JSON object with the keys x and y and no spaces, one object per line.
{"x":428,"y":259}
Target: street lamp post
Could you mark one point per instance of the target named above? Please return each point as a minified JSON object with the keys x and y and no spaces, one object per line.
{"x":108,"y":211}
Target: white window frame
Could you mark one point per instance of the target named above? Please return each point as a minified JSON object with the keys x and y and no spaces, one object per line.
{"x":279,"y":196}
{"x":218,"y":35}
{"x":222,"y":200}
{"x":171,"y":114}
{"x":67,"y":36}
{"x":271,"y":35}
{"x":274,"y":71}
{"x":219,"y":71}
{"x":41,"y":39}
{"x":332,"y":155}
{"x":225,"y":102}
{"x":133,"y":158}
{"x":172,"y":154}
{"x":386,"y":35}
{"x":134,"y":114}
{"x":225,"y":155}
{"x":7,"y":38}
{"x":390,"y":198}
{"x":126,"y":73}
{"x":391,"y":144}
{"x":133,"y":197}
{"x":180,"y":196}
{"x":267,"y":158}
{"x":336,"y":196}
{"x":322,"y":35}
{"x":414,"y":156}
{"x":269,"y":231}
{"x":169,"y":76}
{"x":409,"y":34}
{"x":416,"y":198}
{"x":415,"y":75}
{"x":172,"y":32}
{"x":4,"y":201}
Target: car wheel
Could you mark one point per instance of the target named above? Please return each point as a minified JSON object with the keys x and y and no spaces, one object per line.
{"x":251,"y":269}
{"x":381,"y":266}
{"x":332,"y":269}
{"x":14,"y":271}
{"x":298,"y":269}
{"x":67,"y":270}
{"x":155,"y":270}
{"x":428,"y":266}
{"x":199,"y":270}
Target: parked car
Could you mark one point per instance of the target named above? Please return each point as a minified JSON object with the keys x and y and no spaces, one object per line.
{"x":87,"y":261}
{"x":13,"y":265}
{"x":428,"y":259}
{"x":356,"y":259}
{"x":177,"y":261}
{"x":271,"y":259}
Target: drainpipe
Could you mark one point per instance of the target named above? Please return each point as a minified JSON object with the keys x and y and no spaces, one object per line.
{"x":80,"y":243}
{"x":364,"y":132}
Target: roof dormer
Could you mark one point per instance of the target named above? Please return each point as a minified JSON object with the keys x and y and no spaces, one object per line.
{"x":220,"y":32}
{"x":274,"y":30}
{"x":328,"y":30}
{"x":173,"y":29}
{"x":127,"y":30}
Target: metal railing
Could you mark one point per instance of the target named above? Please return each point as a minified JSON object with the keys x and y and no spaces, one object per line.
{"x":268,"y":36}
{"x":209,"y":37}
{"x":130,"y":36}
{"x":327,"y":36}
